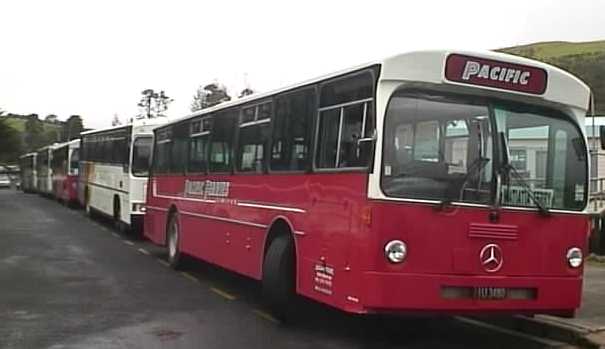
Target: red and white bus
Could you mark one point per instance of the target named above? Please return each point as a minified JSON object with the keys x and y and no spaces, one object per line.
{"x":44,"y":182}
{"x":27,"y":164}
{"x":64,"y":166}
{"x":434,"y":181}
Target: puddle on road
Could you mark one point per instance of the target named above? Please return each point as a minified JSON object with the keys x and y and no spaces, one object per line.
{"x":13,"y":260}
{"x":166,"y":334}
{"x":23,"y":315}
{"x":171,"y":330}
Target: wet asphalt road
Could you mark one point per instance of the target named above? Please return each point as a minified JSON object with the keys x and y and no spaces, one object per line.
{"x":69,"y":282}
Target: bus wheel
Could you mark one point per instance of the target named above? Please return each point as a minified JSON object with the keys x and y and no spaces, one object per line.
{"x":173,"y":237}
{"x":279,"y":276}
{"x":117,"y":215}
{"x":87,"y":207}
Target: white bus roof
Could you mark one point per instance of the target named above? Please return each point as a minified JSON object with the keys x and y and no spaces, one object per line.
{"x":73,"y":143}
{"x":137,"y":123}
{"x":428,"y":67}
{"x":49,"y":146}
{"x":104,"y":129}
{"x":28,"y":154}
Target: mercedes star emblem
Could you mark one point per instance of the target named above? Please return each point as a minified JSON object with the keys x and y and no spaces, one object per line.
{"x":491,"y":258}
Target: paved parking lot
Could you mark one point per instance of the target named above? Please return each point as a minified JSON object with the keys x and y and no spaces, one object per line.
{"x":69,"y":282}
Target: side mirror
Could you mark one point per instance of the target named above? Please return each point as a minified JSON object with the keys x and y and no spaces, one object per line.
{"x":365,"y":147}
{"x":602,"y":136}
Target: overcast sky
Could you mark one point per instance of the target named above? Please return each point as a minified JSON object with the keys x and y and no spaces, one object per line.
{"x":93,"y":58}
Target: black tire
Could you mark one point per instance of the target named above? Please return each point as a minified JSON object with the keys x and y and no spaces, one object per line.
{"x":279,"y":271}
{"x":89,"y":210}
{"x":175,"y":258}
{"x":117,"y":216}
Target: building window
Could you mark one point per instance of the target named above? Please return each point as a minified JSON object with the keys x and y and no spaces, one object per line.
{"x":518,"y":159}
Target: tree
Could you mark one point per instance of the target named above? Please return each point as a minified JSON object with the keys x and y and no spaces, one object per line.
{"x":51,"y":118}
{"x":153,"y":104}
{"x":116,"y":120}
{"x":199,"y":100}
{"x":34,"y":131}
{"x":245,"y":92}
{"x":10,"y":143}
{"x":209,"y":96}
{"x":72,"y":127}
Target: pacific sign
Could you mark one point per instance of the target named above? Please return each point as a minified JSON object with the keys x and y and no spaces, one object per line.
{"x":497,"y":74}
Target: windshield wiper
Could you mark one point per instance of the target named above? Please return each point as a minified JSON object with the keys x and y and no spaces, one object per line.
{"x":476,"y":167}
{"x":508,"y":169}
{"x":541,"y":208}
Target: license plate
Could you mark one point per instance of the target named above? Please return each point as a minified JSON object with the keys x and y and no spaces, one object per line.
{"x":490,"y":292}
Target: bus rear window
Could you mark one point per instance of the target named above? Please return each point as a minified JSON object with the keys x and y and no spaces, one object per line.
{"x":141,"y":153}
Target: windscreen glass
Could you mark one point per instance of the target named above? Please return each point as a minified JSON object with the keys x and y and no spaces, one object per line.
{"x":141,"y":153}
{"x":447,"y":148}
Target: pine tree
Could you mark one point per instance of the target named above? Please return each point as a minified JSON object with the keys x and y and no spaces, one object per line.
{"x":153,"y":104}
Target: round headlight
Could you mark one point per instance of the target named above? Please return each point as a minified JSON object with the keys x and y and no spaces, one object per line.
{"x":574,"y":257}
{"x":395,"y":251}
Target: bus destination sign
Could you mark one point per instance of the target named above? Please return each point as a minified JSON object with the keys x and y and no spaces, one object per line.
{"x":496,"y":74}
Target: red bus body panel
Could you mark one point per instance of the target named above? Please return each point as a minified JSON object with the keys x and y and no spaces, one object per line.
{"x":340,"y":236}
{"x":65,"y":188}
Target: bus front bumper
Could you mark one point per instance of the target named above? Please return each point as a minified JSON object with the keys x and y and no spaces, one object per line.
{"x":456,"y":294}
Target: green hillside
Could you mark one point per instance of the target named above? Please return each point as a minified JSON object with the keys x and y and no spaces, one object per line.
{"x":19,"y":124}
{"x":583,"y":59}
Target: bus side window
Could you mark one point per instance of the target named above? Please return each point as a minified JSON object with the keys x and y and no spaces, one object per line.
{"x":162,"y":151}
{"x":291,"y":129}
{"x":221,"y":141}
{"x":253,"y":137}
{"x":178,"y":151}
{"x":346,"y":121}
{"x":199,"y":142}
{"x":198,"y":154}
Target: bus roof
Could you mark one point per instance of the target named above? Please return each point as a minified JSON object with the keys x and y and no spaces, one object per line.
{"x":428,"y":67}
{"x":112,"y":128}
{"x":49,"y":146}
{"x":137,"y":123}
{"x":27,"y":155}
{"x":64,"y":144}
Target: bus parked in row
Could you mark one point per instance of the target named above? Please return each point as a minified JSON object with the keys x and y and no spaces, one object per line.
{"x":27,"y":164}
{"x":114,"y":165}
{"x":64,"y":165}
{"x":44,"y":182}
{"x":392,"y":187}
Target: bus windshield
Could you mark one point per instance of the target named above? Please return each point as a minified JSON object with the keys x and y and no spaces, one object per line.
{"x":443,"y":148}
{"x":141,"y":153}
